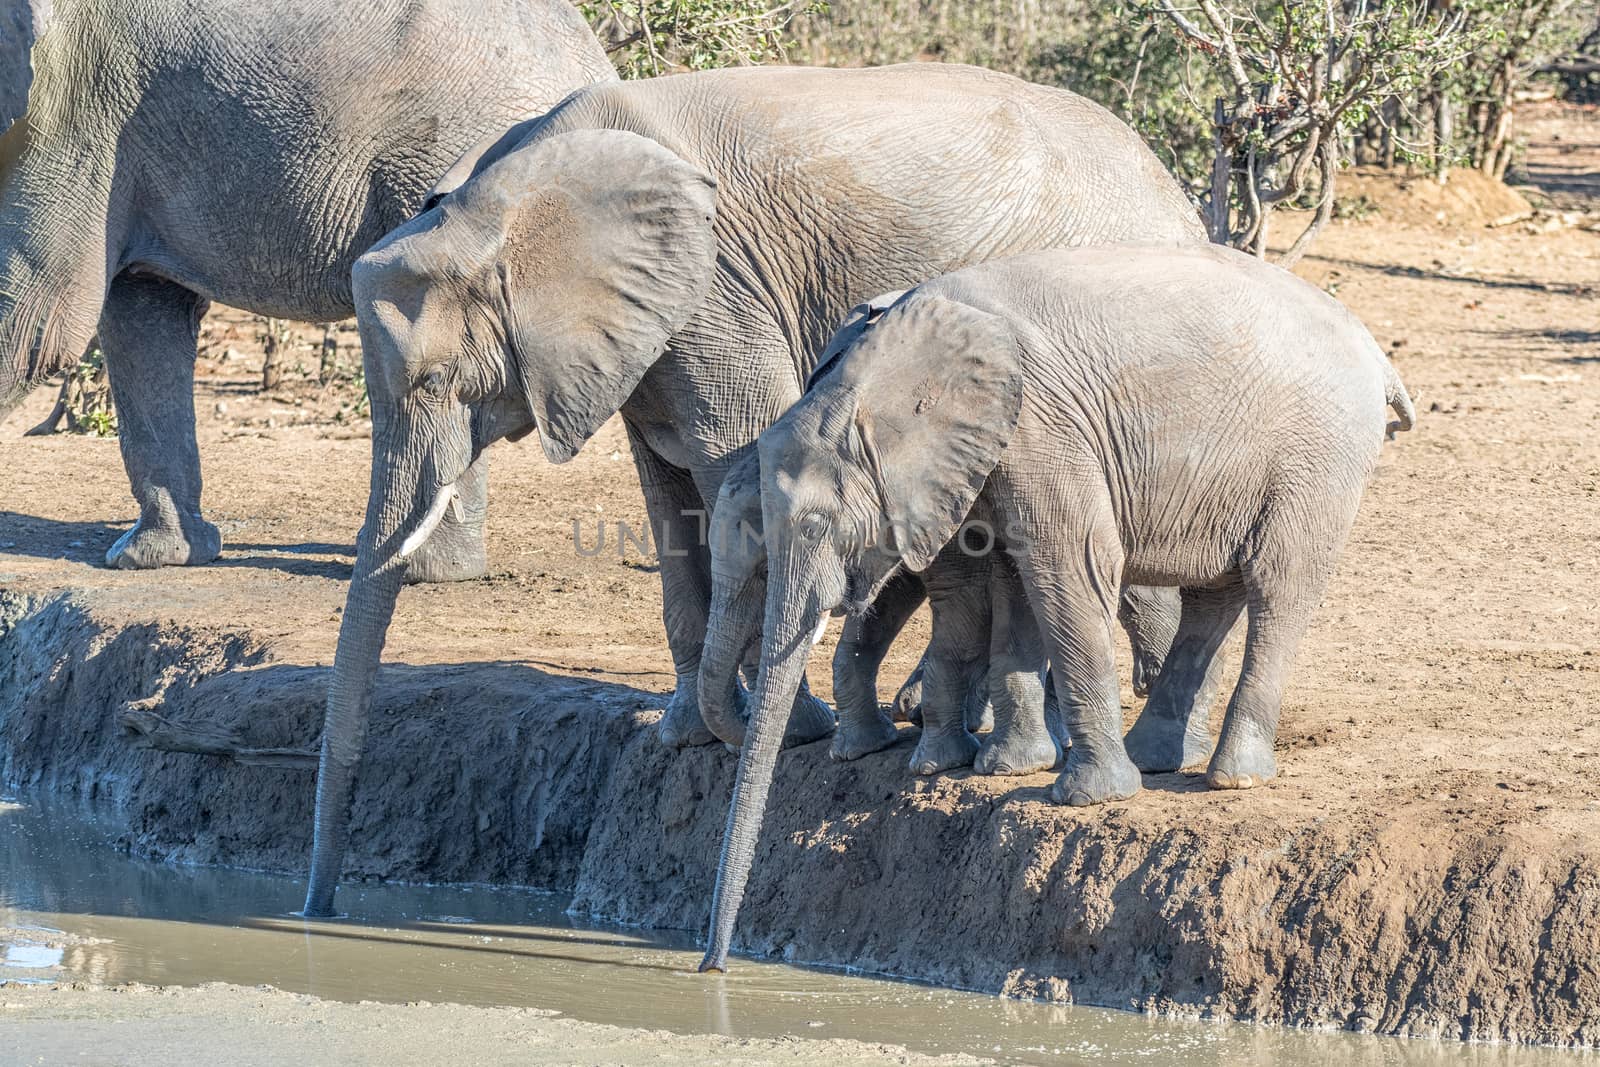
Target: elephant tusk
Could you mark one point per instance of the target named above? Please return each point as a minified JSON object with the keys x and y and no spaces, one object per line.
{"x":430,"y":522}
{"x":822,"y":628}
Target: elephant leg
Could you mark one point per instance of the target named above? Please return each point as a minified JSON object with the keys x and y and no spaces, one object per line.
{"x":959,"y":597}
{"x":148,"y":330}
{"x":1284,"y":581}
{"x":1150,"y":616}
{"x":456,"y":551}
{"x":977,"y":709}
{"x":863,"y":725}
{"x":676,"y":523}
{"x":1072,"y":572}
{"x":1021,"y":742}
{"x":1172,"y":730}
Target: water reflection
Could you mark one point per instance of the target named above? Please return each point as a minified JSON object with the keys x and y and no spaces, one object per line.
{"x":72,"y":907}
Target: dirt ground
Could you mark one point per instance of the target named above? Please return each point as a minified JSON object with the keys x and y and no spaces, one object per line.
{"x":1449,"y":686}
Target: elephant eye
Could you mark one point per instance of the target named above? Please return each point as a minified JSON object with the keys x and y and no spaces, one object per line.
{"x":812,"y":525}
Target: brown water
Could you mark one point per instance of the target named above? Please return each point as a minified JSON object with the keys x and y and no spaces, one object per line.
{"x":72,"y":907}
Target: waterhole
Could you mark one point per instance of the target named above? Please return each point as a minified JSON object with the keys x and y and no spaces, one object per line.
{"x":72,"y":907}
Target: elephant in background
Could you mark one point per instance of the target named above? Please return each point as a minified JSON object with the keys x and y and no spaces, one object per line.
{"x":1188,"y":417}
{"x":158,"y":155}
{"x":680,"y":249}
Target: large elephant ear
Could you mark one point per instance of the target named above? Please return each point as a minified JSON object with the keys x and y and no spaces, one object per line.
{"x":21,"y":23}
{"x":938,"y":387}
{"x":608,"y":249}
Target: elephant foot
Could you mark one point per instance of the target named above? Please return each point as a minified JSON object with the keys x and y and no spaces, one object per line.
{"x":450,"y":555}
{"x":811,"y":720}
{"x":145,"y":547}
{"x":1009,"y":754}
{"x":1242,"y":766}
{"x":1157,"y":744}
{"x":943,"y":752}
{"x":682,"y":726}
{"x":1095,"y":780}
{"x":856,"y":739}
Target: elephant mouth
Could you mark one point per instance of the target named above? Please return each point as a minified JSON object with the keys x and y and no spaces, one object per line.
{"x":857,"y":601}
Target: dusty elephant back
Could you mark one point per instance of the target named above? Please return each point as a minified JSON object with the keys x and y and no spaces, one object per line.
{"x":837,"y":185}
{"x":1204,"y":382}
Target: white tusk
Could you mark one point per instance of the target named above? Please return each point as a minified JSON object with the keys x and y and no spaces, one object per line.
{"x":822,"y":628}
{"x":430,"y":521}
{"x":456,"y":510}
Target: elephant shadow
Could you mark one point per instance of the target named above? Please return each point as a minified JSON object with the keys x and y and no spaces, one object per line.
{"x":87,"y":541}
{"x":40,"y":538}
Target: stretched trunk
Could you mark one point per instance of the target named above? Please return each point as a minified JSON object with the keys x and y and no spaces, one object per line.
{"x":404,"y":494}
{"x":736,"y":608}
{"x":368,"y":609}
{"x":792,"y":614}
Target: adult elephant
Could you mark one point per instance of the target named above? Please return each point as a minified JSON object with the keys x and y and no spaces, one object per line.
{"x":158,"y":155}
{"x":681,"y":250}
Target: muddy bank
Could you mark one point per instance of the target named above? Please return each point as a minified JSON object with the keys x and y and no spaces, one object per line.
{"x":476,"y":773}
{"x":1371,"y":915}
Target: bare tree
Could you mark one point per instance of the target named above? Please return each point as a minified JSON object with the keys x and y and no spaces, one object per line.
{"x":1295,"y":74}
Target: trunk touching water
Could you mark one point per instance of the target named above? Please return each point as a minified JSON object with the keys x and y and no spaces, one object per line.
{"x":791,"y":617}
{"x":368,"y":609}
{"x":404,"y":467}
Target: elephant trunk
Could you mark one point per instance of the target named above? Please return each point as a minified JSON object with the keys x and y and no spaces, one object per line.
{"x":736,"y":608}
{"x":407,"y":496}
{"x":792,"y":614}
{"x":53,"y":277}
{"x":368,"y":609}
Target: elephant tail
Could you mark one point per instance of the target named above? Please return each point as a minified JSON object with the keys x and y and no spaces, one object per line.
{"x":1394,"y":393}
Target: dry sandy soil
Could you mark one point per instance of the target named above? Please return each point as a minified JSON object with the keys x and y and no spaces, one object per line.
{"x":1443,"y":721}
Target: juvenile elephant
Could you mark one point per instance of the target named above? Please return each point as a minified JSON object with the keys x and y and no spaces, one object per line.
{"x":159,"y":154}
{"x":982,"y":631}
{"x":1183,"y":417}
{"x":680,"y":249}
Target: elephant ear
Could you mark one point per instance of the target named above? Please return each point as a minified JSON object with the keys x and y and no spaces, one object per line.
{"x":21,"y":23}
{"x":607,"y":250}
{"x":861,"y":318}
{"x":938,"y":388}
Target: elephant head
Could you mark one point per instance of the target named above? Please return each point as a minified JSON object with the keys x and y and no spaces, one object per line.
{"x":879,"y":464}
{"x":533,"y":297}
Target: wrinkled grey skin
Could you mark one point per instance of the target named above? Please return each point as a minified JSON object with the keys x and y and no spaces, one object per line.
{"x":158,"y":155}
{"x":967,"y":599}
{"x":1175,"y":417}
{"x":681,"y":250}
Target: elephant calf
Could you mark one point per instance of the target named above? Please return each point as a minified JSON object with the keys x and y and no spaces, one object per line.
{"x":985,"y":648}
{"x":1187,"y":417}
